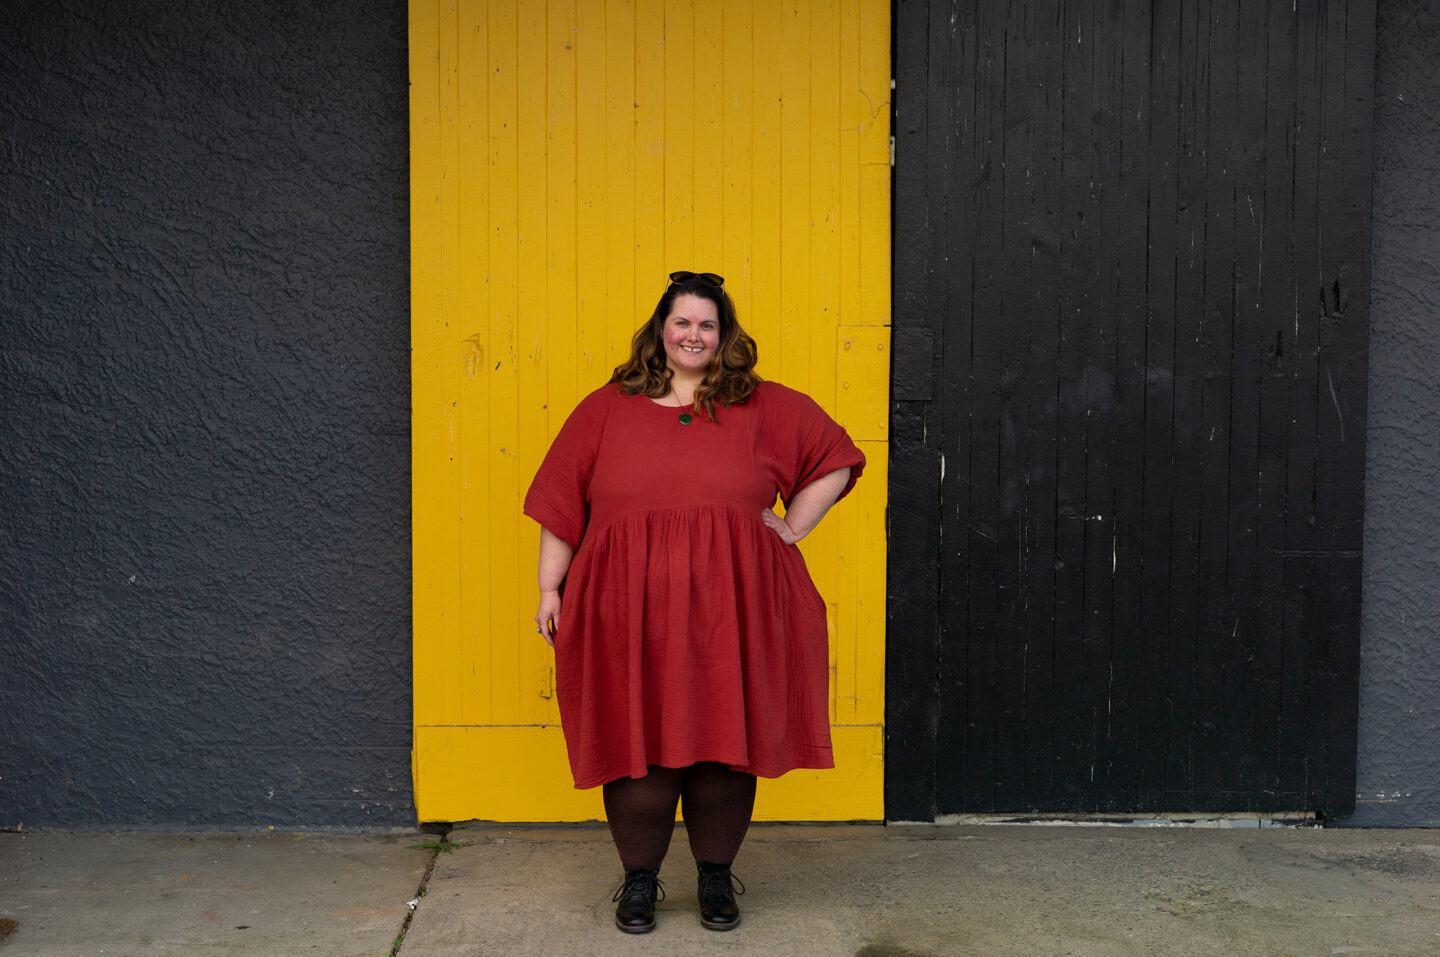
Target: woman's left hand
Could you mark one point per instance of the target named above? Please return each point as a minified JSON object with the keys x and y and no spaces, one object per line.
{"x":804,"y":511}
{"x":779,"y":527}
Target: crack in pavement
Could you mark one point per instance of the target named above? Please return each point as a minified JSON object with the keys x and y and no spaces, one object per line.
{"x":420,"y":892}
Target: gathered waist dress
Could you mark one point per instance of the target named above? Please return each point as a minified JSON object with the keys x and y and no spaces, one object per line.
{"x":689,"y":631}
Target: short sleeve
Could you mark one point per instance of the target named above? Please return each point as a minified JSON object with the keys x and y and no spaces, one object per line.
{"x":801,"y":443}
{"x":559,"y":495}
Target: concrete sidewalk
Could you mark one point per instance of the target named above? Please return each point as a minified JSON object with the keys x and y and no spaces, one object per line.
{"x":817,"y":891}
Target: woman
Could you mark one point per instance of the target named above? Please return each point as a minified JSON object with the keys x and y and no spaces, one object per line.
{"x":690,"y":643}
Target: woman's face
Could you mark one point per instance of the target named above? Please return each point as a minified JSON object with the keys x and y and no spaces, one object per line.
{"x":692,"y":334}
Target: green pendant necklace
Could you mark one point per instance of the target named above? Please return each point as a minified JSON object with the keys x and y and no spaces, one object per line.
{"x":685,"y":417}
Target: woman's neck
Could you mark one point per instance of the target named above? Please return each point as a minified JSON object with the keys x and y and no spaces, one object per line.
{"x":683,"y":388}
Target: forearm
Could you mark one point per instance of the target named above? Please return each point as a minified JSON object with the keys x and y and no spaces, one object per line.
{"x":812,"y":502}
{"x":555,"y":555}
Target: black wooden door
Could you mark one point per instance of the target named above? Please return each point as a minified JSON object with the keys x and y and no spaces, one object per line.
{"x":1131,"y":286}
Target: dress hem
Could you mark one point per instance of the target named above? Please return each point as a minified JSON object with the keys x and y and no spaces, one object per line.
{"x":826,"y":763}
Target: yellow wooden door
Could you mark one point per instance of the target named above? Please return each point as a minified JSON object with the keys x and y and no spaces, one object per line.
{"x":566,"y":156}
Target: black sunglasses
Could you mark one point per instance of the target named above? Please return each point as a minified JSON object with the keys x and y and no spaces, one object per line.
{"x":685,"y":276}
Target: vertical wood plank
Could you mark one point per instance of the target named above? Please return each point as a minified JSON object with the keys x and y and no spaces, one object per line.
{"x":737,"y":200}
{"x":535,"y":112}
{"x":435,"y":554}
{"x":1246,"y":688}
{"x":766,"y":267}
{"x":559,"y":325}
{"x":624,"y":304}
{"x":823,"y":312}
{"x":937,"y":364}
{"x":1075,"y":717}
{"x":511,"y":195}
{"x":707,"y":68}
{"x":1096,"y":332}
{"x":1352,"y":351}
{"x":1272,"y":738}
{"x":549,"y":323}
{"x":985,"y":333}
{"x":598,"y":195}
{"x":1215,"y":330}
{"x":914,"y":696}
{"x":1012,"y":424}
{"x":853,"y":115}
{"x":467,"y":172}
{"x":680,"y":124}
{"x":1300,"y":519}
{"x":653,"y":261}
{"x":795,"y":221}
{"x":1156,"y":710}
{"x":1046,"y":220}
{"x":873,"y":141}
{"x":1304,"y":617}
{"x":1130,"y":168}
{"x":837,"y":363}
{"x":1341,"y":376}
{"x":862,"y":526}
{"x":1188,"y":435}
{"x":868,"y":544}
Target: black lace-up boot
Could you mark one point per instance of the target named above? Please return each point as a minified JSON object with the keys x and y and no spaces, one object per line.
{"x":635,"y":912}
{"x":717,"y":890}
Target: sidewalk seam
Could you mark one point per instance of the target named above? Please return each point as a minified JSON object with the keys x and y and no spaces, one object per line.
{"x":419,"y":897}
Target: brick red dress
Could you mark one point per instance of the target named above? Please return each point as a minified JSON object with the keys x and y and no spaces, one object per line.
{"x":688,"y":630}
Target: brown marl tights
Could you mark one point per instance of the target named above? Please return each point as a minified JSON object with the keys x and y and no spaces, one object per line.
{"x":716,"y":803}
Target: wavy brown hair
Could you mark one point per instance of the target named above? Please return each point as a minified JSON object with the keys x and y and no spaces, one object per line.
{"x":729,"y":379}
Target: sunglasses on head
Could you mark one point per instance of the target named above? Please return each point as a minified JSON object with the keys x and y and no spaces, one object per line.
{"x":685,"y":276}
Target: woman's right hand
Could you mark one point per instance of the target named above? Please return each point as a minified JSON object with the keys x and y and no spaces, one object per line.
{"x":547,"y":616}
{"x":555,"y":555}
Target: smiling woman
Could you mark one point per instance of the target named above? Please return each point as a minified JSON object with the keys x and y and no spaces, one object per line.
{"x":692,"y":331}
{"x":692,"y":351}
{"x":692,"y":653}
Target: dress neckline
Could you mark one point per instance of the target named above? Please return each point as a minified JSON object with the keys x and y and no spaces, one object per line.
{"x":664,"y":403}
{"x":684,"y":414}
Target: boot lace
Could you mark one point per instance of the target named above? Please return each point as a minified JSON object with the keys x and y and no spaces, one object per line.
{"x":719,"y":884}
{"x":640,"y":885}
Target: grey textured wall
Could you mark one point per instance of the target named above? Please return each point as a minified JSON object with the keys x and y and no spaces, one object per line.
{"x":1398,"y":774}
{"x":204,"y":448}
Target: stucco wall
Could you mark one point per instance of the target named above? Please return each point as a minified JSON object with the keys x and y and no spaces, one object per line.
{"x":1398,"y":773}
{"x":204,"y":447}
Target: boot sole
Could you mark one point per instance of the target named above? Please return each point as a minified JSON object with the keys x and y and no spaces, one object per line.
{"x":726,"y":925}
{"x":645,"y":929}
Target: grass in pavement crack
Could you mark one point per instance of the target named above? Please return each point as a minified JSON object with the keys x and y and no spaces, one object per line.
{"x":434,"y":847}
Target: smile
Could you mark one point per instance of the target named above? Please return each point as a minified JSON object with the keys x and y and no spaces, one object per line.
{"x":693,"y":348}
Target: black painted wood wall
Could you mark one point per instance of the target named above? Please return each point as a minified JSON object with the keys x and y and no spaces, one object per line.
{"x":1131,"y":273}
